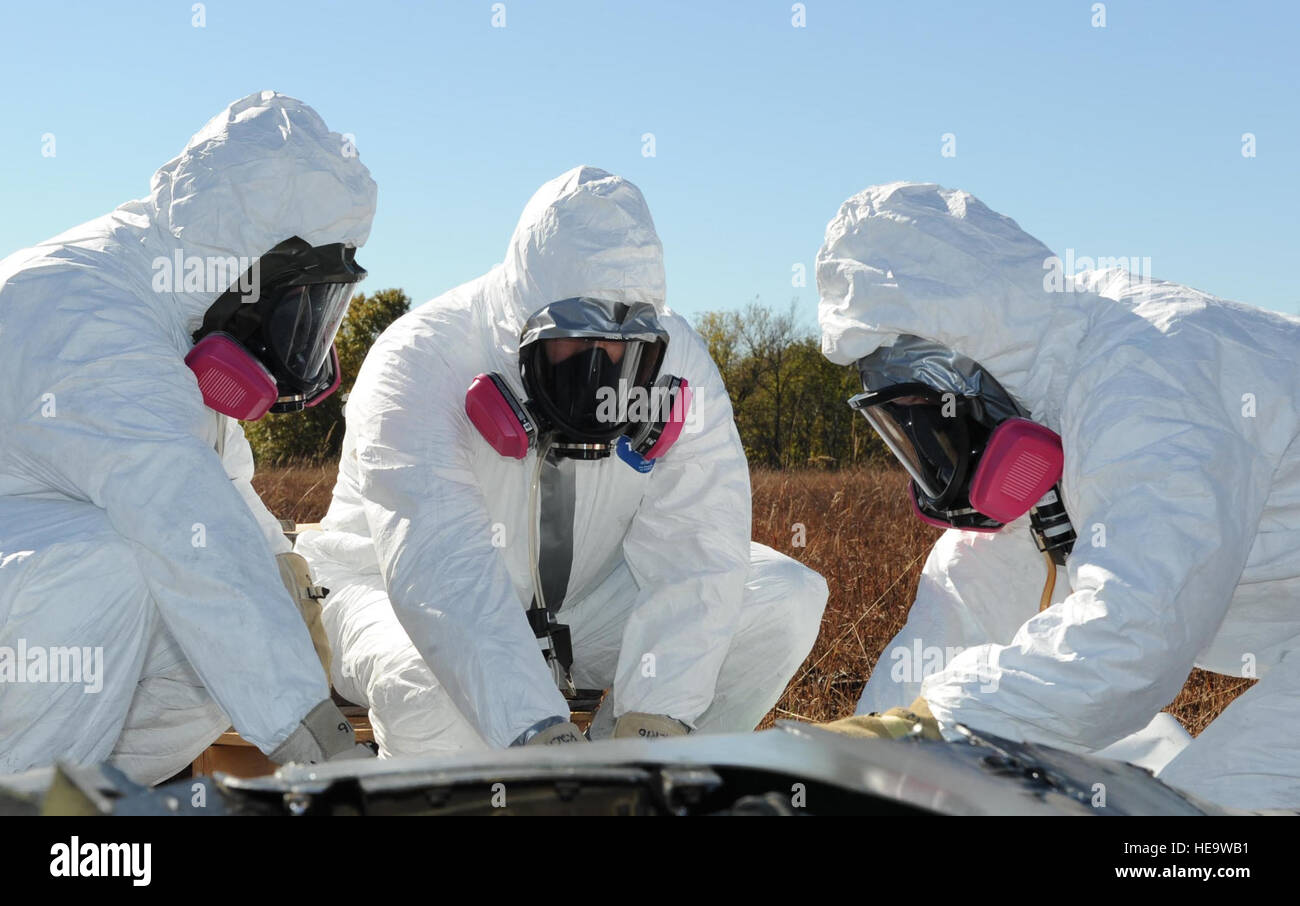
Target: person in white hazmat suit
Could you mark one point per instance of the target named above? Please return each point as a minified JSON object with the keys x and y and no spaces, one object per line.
{"x":643,"y":557}
{"x":1153,"y":421}
{"x":147,"y":596}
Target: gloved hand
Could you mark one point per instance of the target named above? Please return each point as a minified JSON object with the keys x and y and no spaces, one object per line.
{"x":323,"y":735}
{"x":893,"y":724}
{"x":551,"y":731}
{"x":296,"y":576}
{"x":636,"y":724}
{"x":558,"y":735}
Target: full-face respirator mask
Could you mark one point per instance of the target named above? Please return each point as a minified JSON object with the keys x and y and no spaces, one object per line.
{"x":590,"y":369}
{"x":267,"y":343}
{"x":975,"y":459}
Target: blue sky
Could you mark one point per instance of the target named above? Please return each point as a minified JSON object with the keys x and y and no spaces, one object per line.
{"x":1117,"y":141}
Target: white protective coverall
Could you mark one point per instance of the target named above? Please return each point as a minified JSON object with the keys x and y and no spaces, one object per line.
{"x":425,"y":547}
{"x":1178,"y":416}
{"x":128,"y":524}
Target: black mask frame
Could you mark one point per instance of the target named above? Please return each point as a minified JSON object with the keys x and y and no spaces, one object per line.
{"x":561,"y":394}
{"x":940,"y":452}
{"x":317,"y":280}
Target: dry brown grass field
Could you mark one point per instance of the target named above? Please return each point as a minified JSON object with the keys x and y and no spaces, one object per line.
{"x":858,"y":533}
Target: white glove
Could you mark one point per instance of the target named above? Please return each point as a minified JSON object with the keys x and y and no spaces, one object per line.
{"x":552,"y":731}
{"x":635,"y":724}
{"x":558,"y":735}
{"x":323,"y":735}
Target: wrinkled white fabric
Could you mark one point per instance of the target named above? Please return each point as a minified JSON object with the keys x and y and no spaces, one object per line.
{"x":377,"y":666}
{"x":120,"y":524}
{"x":425,"y":504}
{"x":975,"y":589}
{"x":1178,"y":415}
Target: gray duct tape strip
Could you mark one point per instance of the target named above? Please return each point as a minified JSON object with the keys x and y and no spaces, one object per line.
{"x":916,"y":359}
{"x":586,"y":317}
{"x":555,"y":557}
{"x":220,"y":445}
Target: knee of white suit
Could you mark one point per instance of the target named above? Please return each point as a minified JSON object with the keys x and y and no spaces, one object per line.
{"x":1248,"y":756}
{"x":779,"y":622}
{"x":172,"y":719}
{"x":791,"y":596}
{"x":410,"y":711}
{"x":73,"y":587}
{"x":807,"y":603}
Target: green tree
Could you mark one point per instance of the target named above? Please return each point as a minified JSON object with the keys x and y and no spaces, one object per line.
{"x":789,"y":401}
{"x":316,"y":435}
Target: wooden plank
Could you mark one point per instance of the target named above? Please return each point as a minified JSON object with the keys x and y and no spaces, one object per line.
{"x":232,"y":754}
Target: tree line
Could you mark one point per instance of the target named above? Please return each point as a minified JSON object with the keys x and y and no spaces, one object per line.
{"x":790,"y":403}
{"x":788,"y":400}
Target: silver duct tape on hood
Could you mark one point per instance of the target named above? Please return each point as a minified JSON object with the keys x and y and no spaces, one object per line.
{"x":911,"y":359}
{"x":596,"y":319}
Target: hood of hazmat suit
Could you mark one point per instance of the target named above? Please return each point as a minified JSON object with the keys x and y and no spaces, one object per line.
{"x":1177,"y":413}
{"x":423,"y":498}
{"x":99,"y":407}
